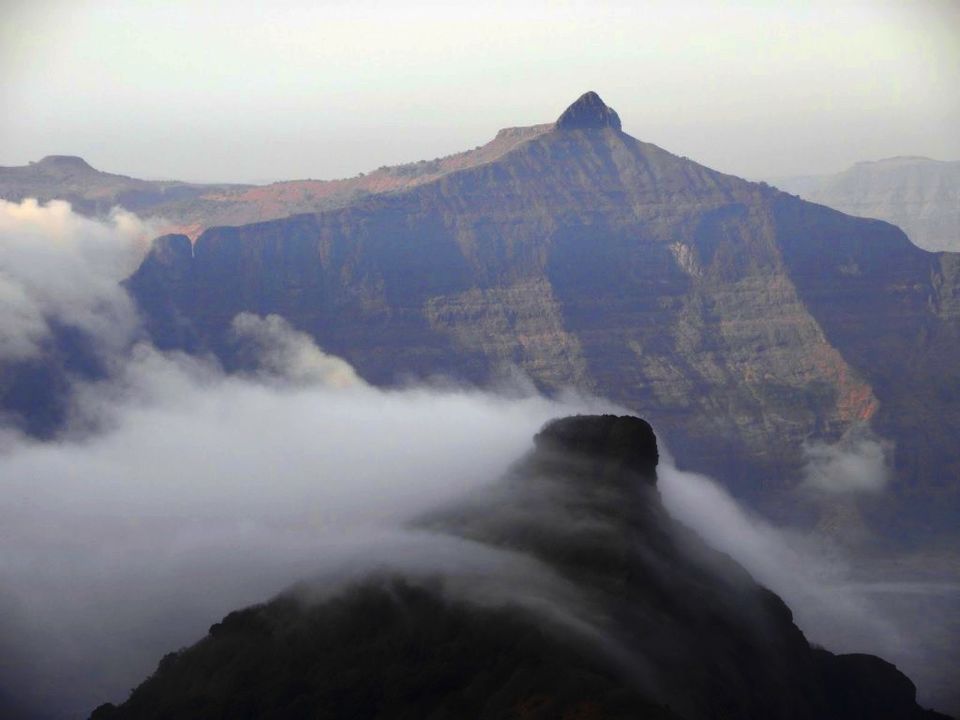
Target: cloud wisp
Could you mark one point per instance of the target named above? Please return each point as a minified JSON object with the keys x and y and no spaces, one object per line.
{"x":856,"y":464}
{"x":840,"y":600}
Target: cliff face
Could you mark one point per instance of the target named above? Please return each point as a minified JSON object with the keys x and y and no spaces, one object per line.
{"x":639,"y":619}
{"x":741,"y":320}
{"x":919,"y":195}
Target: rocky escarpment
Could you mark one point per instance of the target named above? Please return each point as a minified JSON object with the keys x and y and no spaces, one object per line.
{"x":743,"y":321}
{"x":617,"y":612}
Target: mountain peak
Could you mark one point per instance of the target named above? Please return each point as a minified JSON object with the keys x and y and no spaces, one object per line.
{"x":615,"y":442}
{"x":589,"y":111}
{"x":63,"y":163}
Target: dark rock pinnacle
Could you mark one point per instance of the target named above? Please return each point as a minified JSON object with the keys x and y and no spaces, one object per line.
{"x":588,"y":112}
{"x":615,"y":441}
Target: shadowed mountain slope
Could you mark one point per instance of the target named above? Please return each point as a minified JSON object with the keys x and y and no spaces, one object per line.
{"x":621,"y":613}
{"x":742,"y":321}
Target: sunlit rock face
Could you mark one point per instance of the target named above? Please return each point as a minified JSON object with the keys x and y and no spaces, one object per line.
{"x":742,"y":321}
{"x":600,"y":606}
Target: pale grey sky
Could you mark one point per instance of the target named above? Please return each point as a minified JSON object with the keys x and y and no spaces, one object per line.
{"x":245,"y":91}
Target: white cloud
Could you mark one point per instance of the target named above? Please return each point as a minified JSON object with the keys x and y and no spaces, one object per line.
{"x":856,"y":464}
{"x":57,"y":267}
{"x":812,"y":577}
{"x":284,"y":352}
{"x":208,"y":492}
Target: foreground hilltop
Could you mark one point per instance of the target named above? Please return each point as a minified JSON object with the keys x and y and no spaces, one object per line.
{"x":592,"y":603}
{"x":745,"y":322}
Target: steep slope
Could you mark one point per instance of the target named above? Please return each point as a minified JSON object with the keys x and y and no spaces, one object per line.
{"x":743,"y":321}
{"x":639,"y":619}
{"x":190,"y":208}
{"x":919,"y":195}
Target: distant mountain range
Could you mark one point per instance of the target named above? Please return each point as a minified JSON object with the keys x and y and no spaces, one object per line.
{"x":919,"y":195}
{"x":92,"y":192}
{"x":190,"y":208}
{"x":593,"y":603}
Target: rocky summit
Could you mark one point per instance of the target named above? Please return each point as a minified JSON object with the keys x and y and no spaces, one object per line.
{"x":744,"y":322}
{"x":588,"y":112}
{"x":597,"y":605}
{"x":623,"y":444}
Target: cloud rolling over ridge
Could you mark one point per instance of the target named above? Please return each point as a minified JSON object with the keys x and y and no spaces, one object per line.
{"x":178,"y":493}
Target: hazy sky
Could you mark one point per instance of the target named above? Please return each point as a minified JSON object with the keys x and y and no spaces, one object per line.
{"x":249,"y":91}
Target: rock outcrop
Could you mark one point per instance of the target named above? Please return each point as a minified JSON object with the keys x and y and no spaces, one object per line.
{"x":612,"y":445}
{"x":63,"y":166}
{"x":589,"y":112}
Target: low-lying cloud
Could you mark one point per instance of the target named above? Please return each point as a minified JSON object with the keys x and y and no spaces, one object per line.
{"x":284,"y":353}
{"x":207,"y":492}
{"x":178,"y":492}
{"x":59,"y":268}
{"x":856,"y":464}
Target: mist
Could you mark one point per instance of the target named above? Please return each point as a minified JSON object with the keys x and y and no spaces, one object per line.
{"x":177,"y":492}
{"x":209,"y":492}
{"x":844,"y":600}
{"x":59,"y":267}
{"x":856,"y":464}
